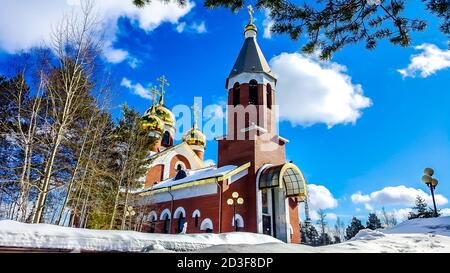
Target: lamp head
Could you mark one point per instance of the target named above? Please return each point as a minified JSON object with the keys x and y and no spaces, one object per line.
{"x":434,"y":182}
{"x":240,"y":201}
{"x":230,"y":201}
{"x":235,"y":194}
{"x":426,"y":179}
{"x":428,"y":171}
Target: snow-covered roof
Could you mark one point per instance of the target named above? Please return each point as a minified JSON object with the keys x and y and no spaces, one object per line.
{"x":194,"y":175}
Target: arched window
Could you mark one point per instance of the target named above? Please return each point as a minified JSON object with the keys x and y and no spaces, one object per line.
{"x":239,"y":222}
{"x":165,"y":216}
{"x":181,"y":221}
{"x":269,"y":96}
{"x":196,"y":216}
{"x":253,"y":92}
{"x":206,"y":225}
{"x":236,"y":94}
{"x":166,"y":139}
{"x":166,"y":228}
{"x":153,"y":217}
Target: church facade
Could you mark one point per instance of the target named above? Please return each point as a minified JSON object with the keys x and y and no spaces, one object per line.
{"x":252,"y":188}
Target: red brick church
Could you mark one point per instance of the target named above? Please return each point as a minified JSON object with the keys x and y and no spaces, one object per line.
{"x":251,"y":189}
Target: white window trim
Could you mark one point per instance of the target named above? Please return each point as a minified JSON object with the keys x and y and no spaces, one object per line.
{"x":178,"y":211}
{"x":240,"y":221}
{"x":164,"y":213}
{"x":196,"y":213}
{"x":206,"y":223}
{"x":152,"y":213}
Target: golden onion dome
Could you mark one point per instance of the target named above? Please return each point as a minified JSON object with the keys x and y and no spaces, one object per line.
{"x":250,"y":27}
{"x":195,"y":137}
{"x":152,"y":123}
{"x":165,"y":115}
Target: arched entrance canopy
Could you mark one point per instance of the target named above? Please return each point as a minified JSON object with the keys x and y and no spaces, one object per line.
{"x":294,"y":182}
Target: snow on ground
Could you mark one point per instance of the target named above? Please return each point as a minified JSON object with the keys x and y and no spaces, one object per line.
{"x":16,"y":234}
{"x":419,"y":235}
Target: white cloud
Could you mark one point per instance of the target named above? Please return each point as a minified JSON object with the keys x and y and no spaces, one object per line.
{"x":445,"y":212}
{"x":319,"y":197}
{"x":359,"y":198}
{"x":398,"y":195}
{"x":210,"y":162}
{"x":133,"y":62}
{"x":113,"y":55}
{"x":180,"y":27}
{"x":194,"y":27}
{"x":28,"y":23}
{"x":199,"y":28}
{"x":312,"y":91}
{"x":137,"y":89}
{"x":427,"y":62}
{"x":267,"y":24}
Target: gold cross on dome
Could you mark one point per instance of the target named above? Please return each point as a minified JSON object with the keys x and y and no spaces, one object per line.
{"x":154,"y":92}
{"x":195,"y":110}
{"x":250,"y":12}
{"x":162,"y":84}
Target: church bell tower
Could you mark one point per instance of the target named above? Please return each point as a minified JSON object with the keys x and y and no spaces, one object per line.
{"x":251,"y":111}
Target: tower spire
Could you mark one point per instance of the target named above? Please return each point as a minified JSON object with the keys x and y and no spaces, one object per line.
{"x":162,"y":84}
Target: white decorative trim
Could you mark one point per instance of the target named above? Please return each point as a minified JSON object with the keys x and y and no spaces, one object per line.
{"x":196,"y":213}
{"x":239,"y":219}
{"x":183,"y":166}
{"x":220,"y":137}
{"x":285,"y":140}
{"x":152,"y":214}
{"x":197,"y":148}
{"x":178,"y":211}
{"x":188,"y":192}
{"x":259,"y":223}
{"x":288,"y":220}
{"x":237,"y":176}
{"x":254,"y":127}
{"x":246,"y":77}
{"x":164,"y":213}
{"x":206,"y":223}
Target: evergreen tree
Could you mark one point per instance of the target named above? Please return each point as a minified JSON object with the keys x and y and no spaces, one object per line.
{"x":354,"y":227}
{"x":373,"y":222}
{"x":337,"y":239}
{"x":309,"y":234}
{"x":421,"y":210}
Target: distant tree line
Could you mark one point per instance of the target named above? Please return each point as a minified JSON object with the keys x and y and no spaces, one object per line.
{"x":63,"y":159}
{"x":322,"y":234}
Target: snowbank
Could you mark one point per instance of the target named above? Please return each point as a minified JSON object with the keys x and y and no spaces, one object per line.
{"x":419,"y":235}
{"x":440,"y":226}
{"x":16,"y":234}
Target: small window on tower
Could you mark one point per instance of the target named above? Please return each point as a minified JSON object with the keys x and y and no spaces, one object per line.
{"x":236,"y":94}
{"x":253,"y":92}
{"x":269,"y":96}
{"x":166,"y":139}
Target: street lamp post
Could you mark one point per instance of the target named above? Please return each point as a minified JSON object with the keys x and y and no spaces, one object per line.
{"x":431,"y":182}
{"x":232,"y":202}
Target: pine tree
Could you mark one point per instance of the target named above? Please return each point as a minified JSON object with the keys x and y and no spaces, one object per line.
{"x":421,"y":210}
{"x":373,"y":222}
{"x":354,"y":227}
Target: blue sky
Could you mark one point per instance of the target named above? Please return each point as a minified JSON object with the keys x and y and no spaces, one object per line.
{"x":401,"y":128}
